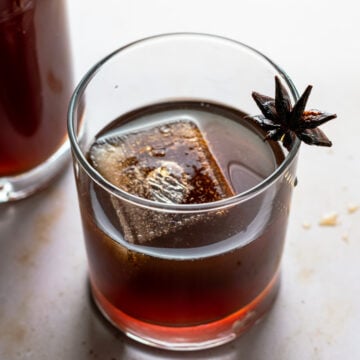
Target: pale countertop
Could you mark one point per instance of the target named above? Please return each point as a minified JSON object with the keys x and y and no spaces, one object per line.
{"x":45,"y":311}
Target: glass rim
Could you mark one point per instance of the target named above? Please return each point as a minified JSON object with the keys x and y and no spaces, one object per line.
{"x":181,"y":208}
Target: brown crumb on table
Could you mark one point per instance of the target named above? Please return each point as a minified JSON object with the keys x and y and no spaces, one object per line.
{"x":345,"y":238}
{"x":330,"y":219}
{"x":352,"y":208}
{"x":306,"y":225}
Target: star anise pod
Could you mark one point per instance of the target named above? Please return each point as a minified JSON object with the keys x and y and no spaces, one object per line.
{"x":285,"y":122}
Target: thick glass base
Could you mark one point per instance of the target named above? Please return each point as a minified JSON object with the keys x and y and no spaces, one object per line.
{"x":23,"y":185}
{"x":191,"y":337}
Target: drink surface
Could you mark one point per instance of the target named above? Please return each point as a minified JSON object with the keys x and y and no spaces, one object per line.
{"x":198,"y":137}
{"x":182,"y":269}
{"x":36,"y":84}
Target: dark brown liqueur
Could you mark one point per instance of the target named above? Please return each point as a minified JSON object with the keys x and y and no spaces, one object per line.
{"x":181,"y":269}
{"x":35,"y":78}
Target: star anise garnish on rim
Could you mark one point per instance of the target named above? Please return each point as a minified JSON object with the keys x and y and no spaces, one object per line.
{"x":284,"y":122}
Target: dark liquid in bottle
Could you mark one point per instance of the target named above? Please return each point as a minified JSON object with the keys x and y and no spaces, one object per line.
{"x":181,"y":270}
{"x":36,"y":82}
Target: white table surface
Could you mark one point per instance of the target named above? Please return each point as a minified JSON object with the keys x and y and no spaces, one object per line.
{"x":45,"y":311}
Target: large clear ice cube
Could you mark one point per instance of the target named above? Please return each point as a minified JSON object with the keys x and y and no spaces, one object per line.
{"x":170,"y":163}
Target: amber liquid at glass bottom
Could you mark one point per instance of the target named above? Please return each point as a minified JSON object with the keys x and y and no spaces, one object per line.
{"x":35,"y":78}
{"x":183,"y":281}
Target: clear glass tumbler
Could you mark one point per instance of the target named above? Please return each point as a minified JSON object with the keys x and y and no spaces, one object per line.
{"x":36,"y":85}
{"x":181,"y":276}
